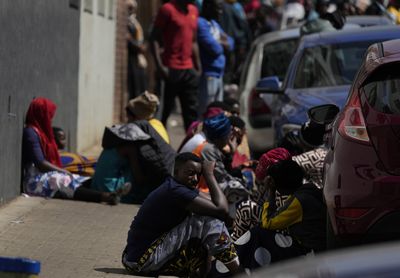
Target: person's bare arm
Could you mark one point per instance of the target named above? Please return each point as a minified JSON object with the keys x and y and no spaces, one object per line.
{"x":218,"y":205}
{"x":196,"y":54}
{"x":155,"y":47}
{"x":138,"y":46}
{"x":45,"y":166}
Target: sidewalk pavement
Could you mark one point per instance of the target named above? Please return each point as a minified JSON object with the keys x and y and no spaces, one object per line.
{"x":70,"y":238}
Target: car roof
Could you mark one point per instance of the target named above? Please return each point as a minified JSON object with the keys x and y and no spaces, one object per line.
{"x":391,"y":47}
{"x":384,"y":32}
{"x":369,"y":20}
{"x":378,"y":55}
{"x":278,"y":35}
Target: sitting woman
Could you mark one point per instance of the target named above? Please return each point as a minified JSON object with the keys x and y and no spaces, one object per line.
{"x":73,"y":162}
{"x":43,"y":172}
{"x":294,"y":229}
{"x":248,"y":213}
{"x":134,"y":153}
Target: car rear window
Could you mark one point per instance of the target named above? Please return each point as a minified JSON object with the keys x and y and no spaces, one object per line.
{"x":330,"y":65}
{"x":382,"y":89}
{"x":277,"y":57}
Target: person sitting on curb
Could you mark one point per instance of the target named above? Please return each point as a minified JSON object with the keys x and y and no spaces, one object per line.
{"x":43,"y":173}
{"x":177,"y":230}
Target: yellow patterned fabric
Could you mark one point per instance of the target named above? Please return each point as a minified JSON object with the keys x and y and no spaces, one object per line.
{"x":290,"y":213}
{"x":78,"y":164}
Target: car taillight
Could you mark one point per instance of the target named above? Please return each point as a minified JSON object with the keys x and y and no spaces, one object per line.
{"x":352,"y":123}
{"x":351,"y":212}
{"x":257,"y":105}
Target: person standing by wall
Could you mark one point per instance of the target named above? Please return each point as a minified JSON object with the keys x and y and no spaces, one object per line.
{"x":212,"y":43}
{"x":175,"y":28}
{"x":137,"y":63}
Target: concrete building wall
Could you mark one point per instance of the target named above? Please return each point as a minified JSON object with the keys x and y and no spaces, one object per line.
{"x":38,"y":57}
{"x":96,"y":71}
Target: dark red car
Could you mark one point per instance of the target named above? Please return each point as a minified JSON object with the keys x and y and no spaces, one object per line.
{"x":362,"y":169}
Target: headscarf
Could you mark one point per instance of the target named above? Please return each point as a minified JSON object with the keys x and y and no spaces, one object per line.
{"x":269,"y":158}
{"x":217,"y":127}
{"x":39,"y":116}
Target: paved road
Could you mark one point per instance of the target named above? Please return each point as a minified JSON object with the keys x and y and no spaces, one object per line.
{"x":71,"y":239}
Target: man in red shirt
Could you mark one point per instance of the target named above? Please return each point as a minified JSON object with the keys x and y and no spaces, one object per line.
{"x":175,"y":50}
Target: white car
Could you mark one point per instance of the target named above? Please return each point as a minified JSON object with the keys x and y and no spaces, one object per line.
{"x":270,"y":54}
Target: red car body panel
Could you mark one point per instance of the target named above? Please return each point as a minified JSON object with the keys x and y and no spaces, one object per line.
{"x":362,"y":178}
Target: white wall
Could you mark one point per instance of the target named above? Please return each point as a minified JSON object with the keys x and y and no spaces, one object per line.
{"x":96,"y":72}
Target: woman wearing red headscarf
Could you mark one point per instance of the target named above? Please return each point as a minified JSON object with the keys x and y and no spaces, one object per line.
{"x":249,"y":211}
{"x":266,"y":232}
{"x":43,"y":174}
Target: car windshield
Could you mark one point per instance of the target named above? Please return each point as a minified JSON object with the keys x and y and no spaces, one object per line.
{"x":277,"y":57}
{"x":330,"y":65}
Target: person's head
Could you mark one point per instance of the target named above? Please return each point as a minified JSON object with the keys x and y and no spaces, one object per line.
{"x":321,"y":7}
{"x":238,"y":128}
{"x":132,"y":6}
{"x":218,"y":130}
{"x":142,"y":107}
{"x":234,"y":106}
{"x":187,"y":169}
{"x":212,"y":9}
{"x":59,"y":136}
{"x":287,"y":176}
{"x":268,"y":159}
{"x":184,"y":3}
{"x":212,"y":112}
{"x":40,"y":114}
{"x":222,"y":105}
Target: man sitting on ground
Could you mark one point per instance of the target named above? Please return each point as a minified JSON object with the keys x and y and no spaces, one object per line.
{"x":176,"y":230}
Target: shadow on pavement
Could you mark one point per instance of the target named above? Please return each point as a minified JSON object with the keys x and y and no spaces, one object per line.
{"x":113,"y":270}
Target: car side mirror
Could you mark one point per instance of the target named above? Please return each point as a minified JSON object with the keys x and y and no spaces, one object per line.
{"x":269,"y":85}
{"x":323,"y":114}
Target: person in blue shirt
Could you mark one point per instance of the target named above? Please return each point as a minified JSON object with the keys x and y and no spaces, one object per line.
{"x":177,"y":230}
{"x":213,"y":42}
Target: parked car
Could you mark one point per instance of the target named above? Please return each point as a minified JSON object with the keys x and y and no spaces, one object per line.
{"x":321,"y":72}
{"x":373,"y":261}
{"x":362,"y":169}
{"x":369,"y":20}
{"x":270,"y":54}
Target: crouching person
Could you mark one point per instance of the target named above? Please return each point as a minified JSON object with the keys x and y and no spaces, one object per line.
{"x":177,"y":230}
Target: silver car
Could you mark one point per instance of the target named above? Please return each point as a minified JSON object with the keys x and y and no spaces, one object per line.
{"x":270,"y":54}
